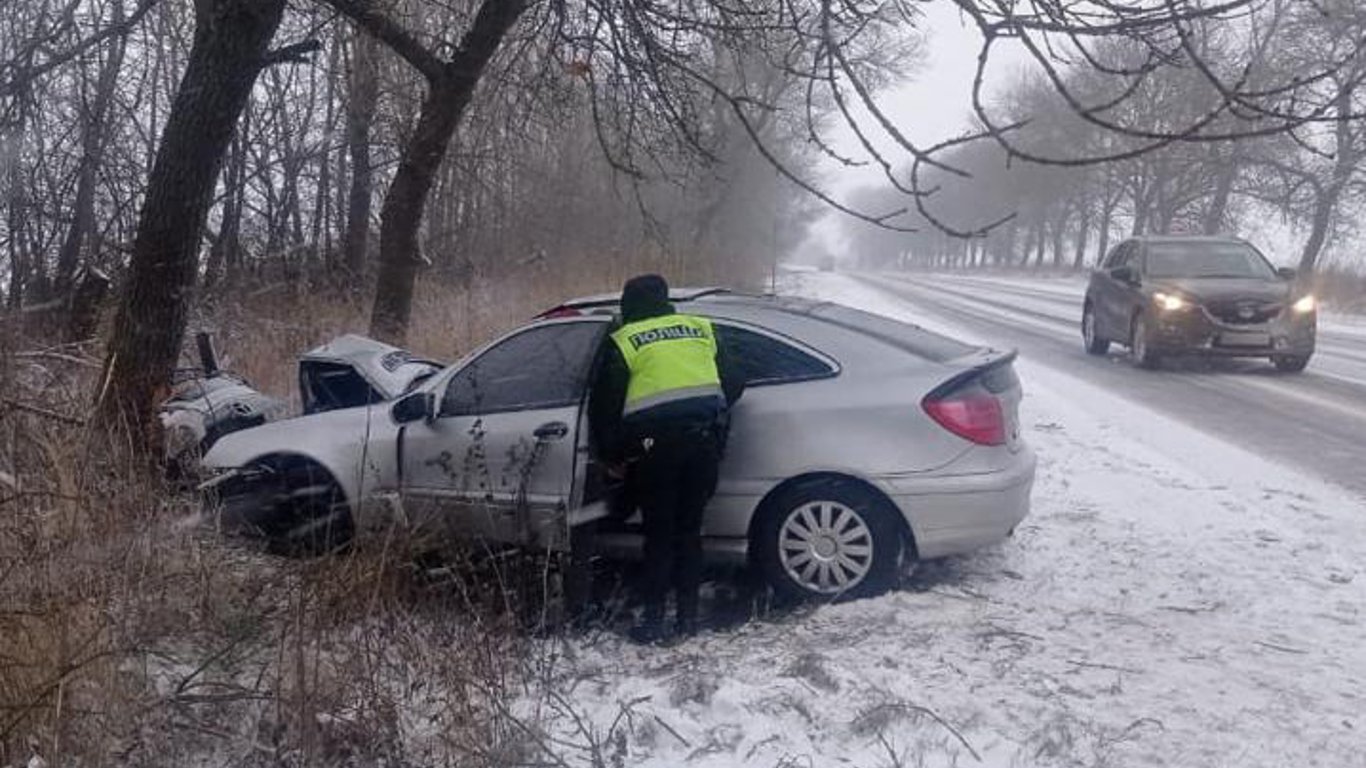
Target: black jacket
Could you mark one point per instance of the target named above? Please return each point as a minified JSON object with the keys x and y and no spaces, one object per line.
{"x":609,"y":434}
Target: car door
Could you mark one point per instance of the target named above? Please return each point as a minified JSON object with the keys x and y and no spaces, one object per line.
{"x":1111,"y":306}
{"x":500,"y":459}
{"x":767,"y":362}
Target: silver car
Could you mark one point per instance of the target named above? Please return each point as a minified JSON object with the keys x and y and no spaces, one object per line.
{"x":860,"y":444}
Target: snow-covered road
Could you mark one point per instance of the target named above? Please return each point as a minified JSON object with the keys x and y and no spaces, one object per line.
{"x":1315,"y":421}
{"x":1174,"y":599}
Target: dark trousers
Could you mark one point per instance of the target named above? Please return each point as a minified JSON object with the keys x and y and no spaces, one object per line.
{"x":676,"y":476}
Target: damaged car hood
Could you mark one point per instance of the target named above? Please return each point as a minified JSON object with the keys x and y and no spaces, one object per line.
{"x":388,"y":370}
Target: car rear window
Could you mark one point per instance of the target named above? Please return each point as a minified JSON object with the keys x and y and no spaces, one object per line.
{"x":903,"y":336}
{"x":762,"y":359}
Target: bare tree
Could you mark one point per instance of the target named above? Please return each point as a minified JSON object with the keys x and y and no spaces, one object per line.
{"x":231,"y":45}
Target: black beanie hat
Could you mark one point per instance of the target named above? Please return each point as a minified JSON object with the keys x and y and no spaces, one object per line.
{"x":644,"y":296}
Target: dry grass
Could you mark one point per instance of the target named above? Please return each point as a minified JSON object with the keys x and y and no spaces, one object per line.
{"x":132,"y":634}
{"x":262,"y":330}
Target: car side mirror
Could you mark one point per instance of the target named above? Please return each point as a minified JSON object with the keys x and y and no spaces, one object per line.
{"x":418,"y":406}
{"x":1286,"y":273}
{"x":1124,"y":274}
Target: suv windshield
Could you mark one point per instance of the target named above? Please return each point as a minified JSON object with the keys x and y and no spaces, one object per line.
{"x":1204,"y":259}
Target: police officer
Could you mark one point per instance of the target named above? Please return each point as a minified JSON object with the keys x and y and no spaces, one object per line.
{"x":659,"y":411}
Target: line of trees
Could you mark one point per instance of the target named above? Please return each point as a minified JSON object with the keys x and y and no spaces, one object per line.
{"x":366,"y":144}
{"x":1025,"y":189}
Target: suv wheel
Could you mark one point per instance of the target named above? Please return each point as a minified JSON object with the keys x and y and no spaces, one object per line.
{"x":828,"y":539}
{"x":1095,"y":345}
{"x":1290,"y":363}
{"x":1140,"y":343}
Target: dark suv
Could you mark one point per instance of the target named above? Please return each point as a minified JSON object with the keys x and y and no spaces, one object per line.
{"x":1214,"y":296}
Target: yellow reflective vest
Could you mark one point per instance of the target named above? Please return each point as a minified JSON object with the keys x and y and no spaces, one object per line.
{"x":669,"y":358}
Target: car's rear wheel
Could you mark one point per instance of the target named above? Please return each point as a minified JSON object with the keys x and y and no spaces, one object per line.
{"x":1290,"y":363}
{"x":829,"y":539}
{"x":1095,"y":344}
{"x":1140,"y":344}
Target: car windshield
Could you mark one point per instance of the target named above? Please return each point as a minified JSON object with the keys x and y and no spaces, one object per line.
{"x":1197,"y":259}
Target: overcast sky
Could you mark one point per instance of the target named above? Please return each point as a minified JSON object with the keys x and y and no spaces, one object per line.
{"x":935,"y":103}
{"x":928,"y":106}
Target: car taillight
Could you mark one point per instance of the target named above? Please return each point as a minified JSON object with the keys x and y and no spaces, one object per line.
{"x":975,"y":416}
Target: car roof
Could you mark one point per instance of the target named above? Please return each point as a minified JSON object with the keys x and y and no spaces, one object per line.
{"x":611,"y":300}
{"x":794,"y":316}
{"x":1188,"y":239}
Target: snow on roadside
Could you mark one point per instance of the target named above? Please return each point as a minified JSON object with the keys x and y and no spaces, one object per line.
{"x":1172,"y":600}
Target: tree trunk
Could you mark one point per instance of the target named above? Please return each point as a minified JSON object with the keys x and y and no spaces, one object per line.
{"x":83,"y":223}
{"x":1040,"y":240}
{"x":1140,"y":217}
{"x":225,"y":255}
{"x":1223,"y":190}
{"x":16,"y":214}
{"x":1343,"y":166}
{"x":1083,"y":234}
{"x":230,"y":45}
{"x":363,"y":95}
{"x":401,"y":216}
{"x":1059,"y":230}
{"x":1107,"y":213}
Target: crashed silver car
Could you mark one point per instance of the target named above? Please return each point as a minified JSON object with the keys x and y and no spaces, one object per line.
{"x":861,"y":443}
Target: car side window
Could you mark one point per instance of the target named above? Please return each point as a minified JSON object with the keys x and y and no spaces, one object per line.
{"x":1123,"y":255}
{"x":543,"y":367}
{"x":1113,"y":257}
{"x":763,"y":359}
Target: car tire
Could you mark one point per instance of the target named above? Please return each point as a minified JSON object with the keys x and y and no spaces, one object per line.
{"x":1140,"y":346}
{"x":1095,"y":343}
{"x":1290,"y":363}
{"x":308,"y":514}
{"x":828,"y":539}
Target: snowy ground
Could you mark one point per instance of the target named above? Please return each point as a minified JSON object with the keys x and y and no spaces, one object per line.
{"x":1172,"y":600}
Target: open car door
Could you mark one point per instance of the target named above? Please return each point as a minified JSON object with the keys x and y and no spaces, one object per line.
{"x":503,"y":456}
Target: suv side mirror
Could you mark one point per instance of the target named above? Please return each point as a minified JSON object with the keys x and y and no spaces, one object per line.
{"x":418,"y":406}
{"x":1124,"y":274}
{"x":1286,"y":273}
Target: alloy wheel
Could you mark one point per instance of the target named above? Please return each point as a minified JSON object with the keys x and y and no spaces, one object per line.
{"x":825,"y":547}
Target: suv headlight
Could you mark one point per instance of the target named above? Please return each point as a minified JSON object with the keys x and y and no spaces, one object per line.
{"x":1305,"y":304}
{"x":1170,"y":301}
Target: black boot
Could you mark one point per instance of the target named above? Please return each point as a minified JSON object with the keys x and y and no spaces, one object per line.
{"x":650,"y":630}
{"x":686,"y":627}
{"x":687,"y":610}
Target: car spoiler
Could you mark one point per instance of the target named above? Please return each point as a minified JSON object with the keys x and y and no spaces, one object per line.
{"x":587,"y":304}
{"x":975,"y":364}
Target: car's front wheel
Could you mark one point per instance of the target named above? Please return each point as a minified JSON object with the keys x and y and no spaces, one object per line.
{"x":829,"y":539}
{"x":300,"y":510}
{"x":1095,"y":343}
{"x":1290,"y":363}
{"x":1140,"y":344}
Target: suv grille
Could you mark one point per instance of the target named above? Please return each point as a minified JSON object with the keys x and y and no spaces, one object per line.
{"x":1244,"y":311}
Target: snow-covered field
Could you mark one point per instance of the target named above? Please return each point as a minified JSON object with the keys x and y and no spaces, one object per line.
{"x":1172,"y":600}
